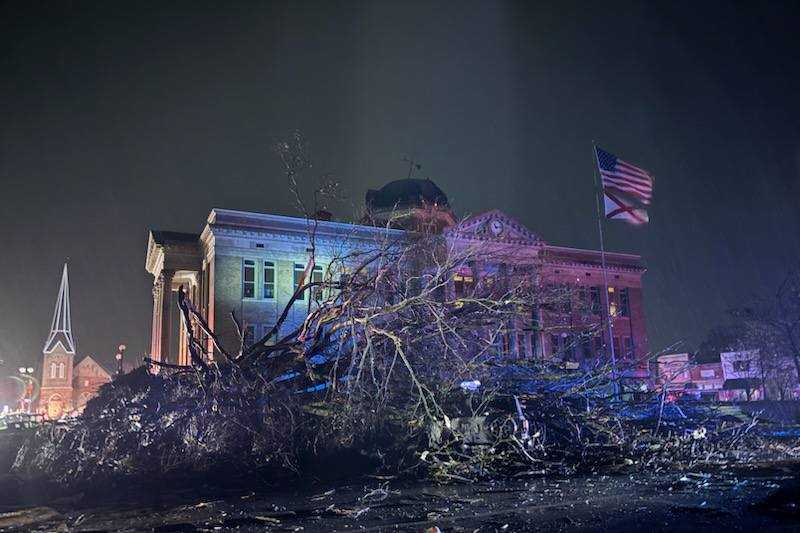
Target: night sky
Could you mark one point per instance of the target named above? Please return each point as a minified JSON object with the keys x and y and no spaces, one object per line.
{"x":117,"y":119}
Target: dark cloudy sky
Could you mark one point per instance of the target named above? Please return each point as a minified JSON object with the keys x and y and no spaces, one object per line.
{"x":115,"y":119}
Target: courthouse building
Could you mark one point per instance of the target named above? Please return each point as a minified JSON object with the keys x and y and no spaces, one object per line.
{"x":250,"y":264}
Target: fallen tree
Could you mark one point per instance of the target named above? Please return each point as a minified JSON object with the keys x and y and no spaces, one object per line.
{"x":395,"y":368}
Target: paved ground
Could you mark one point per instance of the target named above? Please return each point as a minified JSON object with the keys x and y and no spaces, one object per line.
{"x":734,"y":501}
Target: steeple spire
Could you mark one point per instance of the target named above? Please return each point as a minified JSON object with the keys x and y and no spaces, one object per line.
{"x":61,"y":328}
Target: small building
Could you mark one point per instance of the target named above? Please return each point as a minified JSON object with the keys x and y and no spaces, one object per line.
{"x":738,"y":376}
{"x":742,"y":373}
{"x":674,"y":372}
{"x":682,"y":376}
{"x":708,"y":380}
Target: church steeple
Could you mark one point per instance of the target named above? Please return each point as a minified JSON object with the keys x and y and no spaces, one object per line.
{"x":61,"y":327}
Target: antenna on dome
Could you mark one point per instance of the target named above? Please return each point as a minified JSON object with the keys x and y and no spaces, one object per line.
{"x":412,"y":165}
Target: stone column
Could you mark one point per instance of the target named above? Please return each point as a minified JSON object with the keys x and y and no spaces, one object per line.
{"x":183,"y":339}
{"x":156,"y":324}
{"x":166,"y":314}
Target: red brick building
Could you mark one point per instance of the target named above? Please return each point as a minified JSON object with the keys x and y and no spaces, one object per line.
{"x":66,"y":387}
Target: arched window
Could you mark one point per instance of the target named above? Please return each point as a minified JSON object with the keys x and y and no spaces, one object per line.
{"x":61,"y":372}
{"x":463,"y":281}
{"x":55,"y":406}
{"x":53,"y":370}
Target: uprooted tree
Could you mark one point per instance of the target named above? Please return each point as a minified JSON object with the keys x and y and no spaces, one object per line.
{"x":393,"y":367}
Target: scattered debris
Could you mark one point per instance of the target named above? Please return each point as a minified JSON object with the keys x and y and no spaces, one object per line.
{"x":27,"y":518}
{"x":388,"y":375}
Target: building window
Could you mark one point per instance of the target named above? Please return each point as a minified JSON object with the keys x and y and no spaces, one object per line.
{"x":599,"y":347}
{"x":569,"y":347}
{"x":583,"y":299}
{"x":344,"y":279}
{"x":269,"y":280}
{"x":249,"y":335}
{"x":298,"y":279}
{"x":586,"y":347}
{"x":61,"y":370}
{"x":741,"y":366}
{"x":562,"y":299}
{"x":248,"y":279}
{"x":520,"y":345}
{"x":624,"y":302}
{"x":627,"y":346}
{"x":558,"y":299}
{"x":594,"y":296}
{"x":613,"y":308}
{"x":316,"y":290}
{"x":556,"y":346}
{"x":53,"y":370}
{"x":462,"y":283}
{"x":266,"y":328}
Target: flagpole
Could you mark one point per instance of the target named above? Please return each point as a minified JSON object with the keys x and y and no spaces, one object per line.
{"x":599,"y":191}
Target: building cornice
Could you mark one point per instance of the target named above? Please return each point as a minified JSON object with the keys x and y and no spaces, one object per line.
{"x":590,"y":265}
{"x":226,"y":222}
{"x":171,"y":255}
{"x":578,"y":257}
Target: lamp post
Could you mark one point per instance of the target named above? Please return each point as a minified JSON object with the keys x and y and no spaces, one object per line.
{"x":28,"y":380}
{"x":119,"y":356}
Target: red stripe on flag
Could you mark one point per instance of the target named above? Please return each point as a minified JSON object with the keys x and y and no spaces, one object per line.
{"x":625,"y":175}
{"x":629,"y":183}
{"x":632,"y":169}
{"x":639,"y":193}
{"x":617,"y":189}
{"x":624,"y":209}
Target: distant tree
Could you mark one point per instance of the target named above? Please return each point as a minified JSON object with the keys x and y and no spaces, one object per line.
{"x":772,"y":325}
{"x":721,"y":338}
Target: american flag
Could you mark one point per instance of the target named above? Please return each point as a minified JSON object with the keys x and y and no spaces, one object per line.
{"x":620,"y":176}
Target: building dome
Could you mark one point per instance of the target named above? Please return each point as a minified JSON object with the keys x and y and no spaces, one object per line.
{"x":406,"y":193}
{"x":412,"y":204}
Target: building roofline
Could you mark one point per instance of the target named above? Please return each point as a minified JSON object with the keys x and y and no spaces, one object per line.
{"x":95,"y":361}
{"x":612,"y":255}
{"x":284,"y":222}
{"x":173,"y":237}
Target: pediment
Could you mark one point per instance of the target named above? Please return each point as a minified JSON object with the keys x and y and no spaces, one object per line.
{"x":494,"y":226}
{"x":86,"y":366}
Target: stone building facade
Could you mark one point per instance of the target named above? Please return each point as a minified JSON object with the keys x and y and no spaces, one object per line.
{"x":248,"y":263}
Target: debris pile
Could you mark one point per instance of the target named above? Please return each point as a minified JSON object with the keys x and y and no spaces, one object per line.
{"x":393,"y":371}
{"x":559,"y":426}
{"x":180,"y":426}
{"x":160,"y":427}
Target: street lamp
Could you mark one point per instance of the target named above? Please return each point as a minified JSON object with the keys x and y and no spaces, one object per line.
{"x":29,"y":381}
{"x":120,"y":354}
